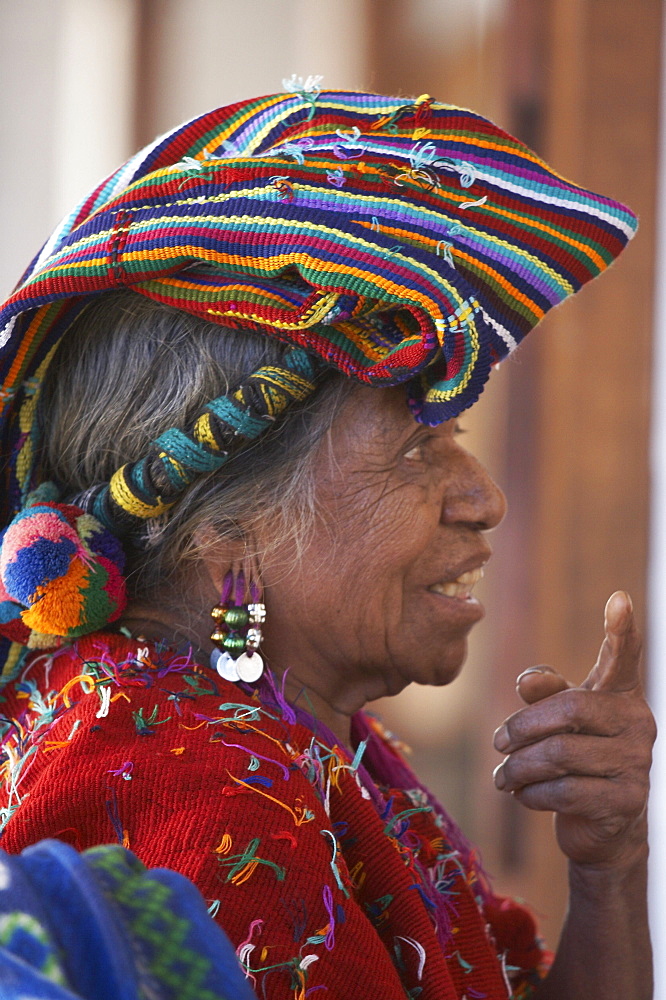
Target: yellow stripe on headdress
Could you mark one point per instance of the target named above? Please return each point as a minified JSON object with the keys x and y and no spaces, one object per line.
{"x":122,"y":495}
{"x":203,"y":432}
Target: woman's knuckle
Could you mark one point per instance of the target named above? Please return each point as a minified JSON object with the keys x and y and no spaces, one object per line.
{"x":649,"y":725}
{"x":639,"y":744}
{"x":566,"y":791}
{"x":638,"y":796}
{"x":573,"y":703}
{"x":511,"y":727}
{"x":558,"y":749}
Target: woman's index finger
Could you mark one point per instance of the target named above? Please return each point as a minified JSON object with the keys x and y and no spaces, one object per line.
{"x":570,"y":711}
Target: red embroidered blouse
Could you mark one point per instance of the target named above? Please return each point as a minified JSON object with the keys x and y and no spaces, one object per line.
{"x":329,"y":874}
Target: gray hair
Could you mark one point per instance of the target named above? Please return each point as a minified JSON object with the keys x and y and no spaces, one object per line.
{"x":129,"y":368}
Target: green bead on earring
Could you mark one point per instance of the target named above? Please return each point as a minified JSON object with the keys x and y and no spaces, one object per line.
{"x":237,"y":617}
{"x":234,"y":643}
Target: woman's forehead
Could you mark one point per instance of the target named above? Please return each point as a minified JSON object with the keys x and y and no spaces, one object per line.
{"x":380,"y":417}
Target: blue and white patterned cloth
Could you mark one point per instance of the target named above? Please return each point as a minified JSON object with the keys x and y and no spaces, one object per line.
{"x":100,"y":926}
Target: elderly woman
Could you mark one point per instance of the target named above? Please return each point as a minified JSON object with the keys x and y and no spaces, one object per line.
{"x":243,"y":356}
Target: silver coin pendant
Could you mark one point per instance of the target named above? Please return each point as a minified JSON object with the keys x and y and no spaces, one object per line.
{"x":224,"y":664}
{"x":250,"y":668}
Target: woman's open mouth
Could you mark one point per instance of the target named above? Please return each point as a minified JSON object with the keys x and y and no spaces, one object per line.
{"x":460,"y":588}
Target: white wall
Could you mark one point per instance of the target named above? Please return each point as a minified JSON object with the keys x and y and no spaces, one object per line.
{"x":70,"y":79}
{"x":657,"y":585}
{"x":66,"y":78}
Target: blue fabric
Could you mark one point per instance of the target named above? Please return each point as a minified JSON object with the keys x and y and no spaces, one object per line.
{"x":99,"y":926}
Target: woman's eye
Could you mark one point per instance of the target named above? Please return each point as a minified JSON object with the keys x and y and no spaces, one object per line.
{"x":415,"y":453}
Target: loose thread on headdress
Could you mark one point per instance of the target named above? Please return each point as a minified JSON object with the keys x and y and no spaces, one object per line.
{"x":474,"y":204}
{"x":308,"y":88}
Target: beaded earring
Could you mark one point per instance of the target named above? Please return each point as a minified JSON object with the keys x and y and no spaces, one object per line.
{"x":237,"y":631}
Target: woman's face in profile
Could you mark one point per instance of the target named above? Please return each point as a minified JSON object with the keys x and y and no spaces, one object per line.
{"x":383,"y":595}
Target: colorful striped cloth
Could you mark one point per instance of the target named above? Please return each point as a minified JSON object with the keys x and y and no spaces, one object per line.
{"x":398,"y":240}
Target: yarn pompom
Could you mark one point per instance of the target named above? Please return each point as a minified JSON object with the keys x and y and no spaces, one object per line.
{"x":62,"y":571}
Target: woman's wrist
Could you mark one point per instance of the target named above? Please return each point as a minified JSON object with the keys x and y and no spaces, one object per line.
{"x":617,"y":868}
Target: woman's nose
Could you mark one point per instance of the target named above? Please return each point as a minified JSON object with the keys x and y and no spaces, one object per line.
{"x":476,"y":499}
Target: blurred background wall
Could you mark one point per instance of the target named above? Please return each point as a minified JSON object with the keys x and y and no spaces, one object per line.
{"x":566,"y":427}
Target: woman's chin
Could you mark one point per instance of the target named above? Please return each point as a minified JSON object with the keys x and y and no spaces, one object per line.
{"x":437,"y":670}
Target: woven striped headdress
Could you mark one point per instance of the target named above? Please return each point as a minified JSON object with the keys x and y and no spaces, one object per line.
{"x":395,"y":241}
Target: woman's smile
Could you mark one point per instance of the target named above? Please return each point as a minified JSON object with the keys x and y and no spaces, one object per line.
{"x":461,"y":587}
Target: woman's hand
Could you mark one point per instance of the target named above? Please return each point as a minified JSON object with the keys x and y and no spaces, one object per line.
{"x":585,"y":752}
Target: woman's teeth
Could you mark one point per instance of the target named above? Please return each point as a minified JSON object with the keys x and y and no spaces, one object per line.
{"x":460,"y":587}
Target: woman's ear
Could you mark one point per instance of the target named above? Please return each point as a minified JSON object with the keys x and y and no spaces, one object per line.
{"x":217,"y":556}
{"x":220,"y":556}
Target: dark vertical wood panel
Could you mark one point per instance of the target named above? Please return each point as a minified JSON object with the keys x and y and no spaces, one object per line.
{"x":148,"y":69}
{"x":596,"y":352}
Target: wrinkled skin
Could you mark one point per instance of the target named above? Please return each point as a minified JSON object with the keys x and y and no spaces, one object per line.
{"x":402,"y":508}
{"x":585,"y":752}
